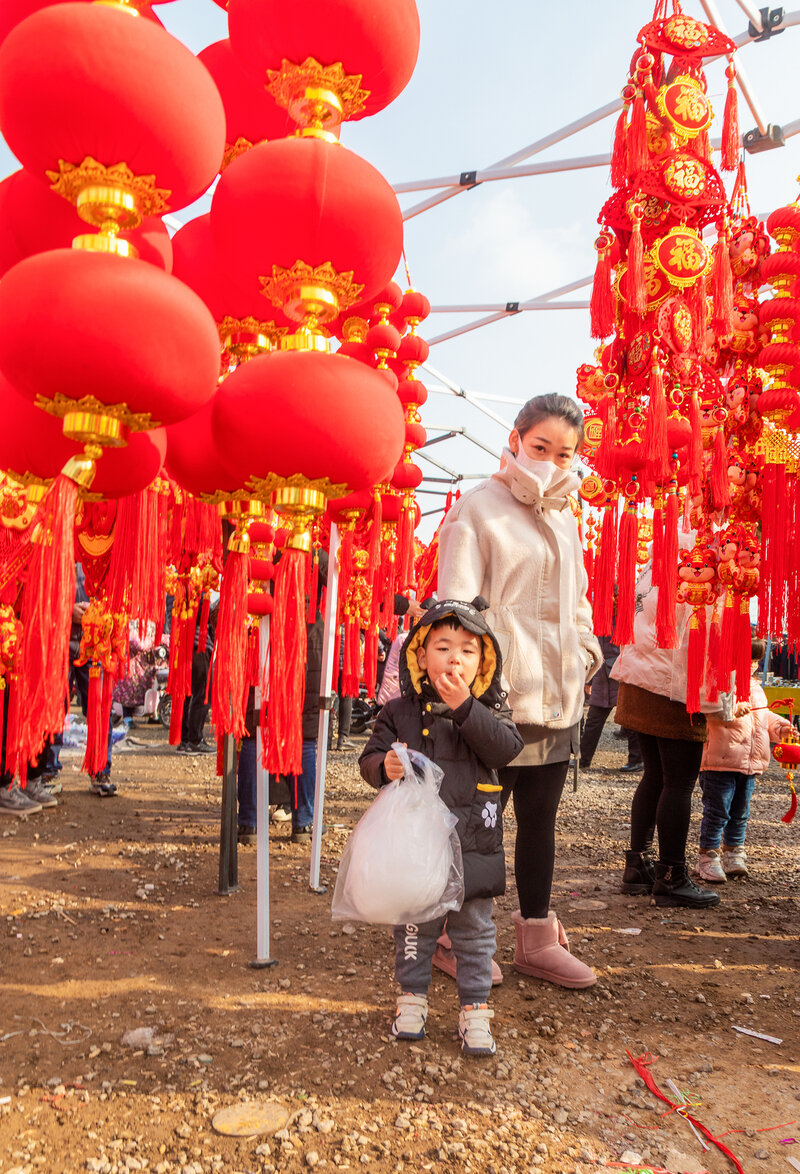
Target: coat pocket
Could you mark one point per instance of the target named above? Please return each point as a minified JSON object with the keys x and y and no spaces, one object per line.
{"x":485,"y":830}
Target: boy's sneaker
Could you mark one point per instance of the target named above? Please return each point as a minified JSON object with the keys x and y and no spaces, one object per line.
{"x":709,"y":867}
{"x":102,"y":786}
{"x":14,"y":801}
{"x":40,"y":793}
{"x":475,"y":1031}
{"x":410,"y":1017}
{"x":734,"y":861}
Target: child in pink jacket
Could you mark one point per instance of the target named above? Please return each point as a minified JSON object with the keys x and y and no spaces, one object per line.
{"x":734,"y":754}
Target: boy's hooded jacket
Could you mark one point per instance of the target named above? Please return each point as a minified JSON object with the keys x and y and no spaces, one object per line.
{"x":470,"y":744}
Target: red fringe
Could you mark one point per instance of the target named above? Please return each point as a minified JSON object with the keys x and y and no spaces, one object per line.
{"x":727,"y":641}
{"x":619,"y":153}
{"x":792,"y":812}
{"x":602,"y":305}
{"x":313,"y":588}
{"x":713,"y":659}
{"x":229,"y":692}
{"x":352,"y":657}
{"x":638,"y":150}
{"x":779,"y":553}
{"x":12,"y":731}
{"x":720,"y":484}
{"x":202,"y":623}
{"x":404,"y":553}
{"x":742,"y":651}
{"x":626,"y":577}
{"x":666,"y":627}
{"x":730,"y":125}
{"x":722,"y":288}
{"x":702,"y":146}
{"x":658,"y":543}
{"x":695,"y":446}
{"x":47,"y":602}
{"x":697,"y":659}
{"x":768,"y":532}
{"x":287,"y":666}
{"x":605,"y":575}
{"x":656,"y":451}
{"x":371,"y":660}
{"x":635,"y":281}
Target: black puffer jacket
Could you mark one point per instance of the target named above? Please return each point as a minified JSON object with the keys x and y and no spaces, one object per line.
{"x":470,"y":744}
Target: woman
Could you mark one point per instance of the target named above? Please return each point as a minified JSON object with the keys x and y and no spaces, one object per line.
{"x":514,"y":540}
{"x":652,"y":701}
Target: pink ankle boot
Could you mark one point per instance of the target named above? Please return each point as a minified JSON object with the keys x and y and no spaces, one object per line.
{"x":444,"y":959}
{"x":543,"y":952}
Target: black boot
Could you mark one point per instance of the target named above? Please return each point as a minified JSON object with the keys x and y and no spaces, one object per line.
{"x":673,"y":886}
{"x":639,"y":874}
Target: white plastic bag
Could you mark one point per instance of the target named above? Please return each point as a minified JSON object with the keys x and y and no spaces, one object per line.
{"x":402,"y":863}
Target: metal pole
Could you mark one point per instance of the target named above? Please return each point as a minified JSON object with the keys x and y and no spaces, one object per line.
{"x":328,"y":646}
{"x":712,"y":12}
{"x":505,"y":314}
{"x":459,"y":391}
{"x":262,"y":959}
{"x":490,"y":174}
{"x":525,"y":153}
{"x":752,"y":13}
{"x":228,"y":863}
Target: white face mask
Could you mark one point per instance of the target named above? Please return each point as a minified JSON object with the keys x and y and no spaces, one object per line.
{"x":545,"y":472}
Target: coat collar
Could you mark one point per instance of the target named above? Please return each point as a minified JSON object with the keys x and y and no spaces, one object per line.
{"x":529,"y":489}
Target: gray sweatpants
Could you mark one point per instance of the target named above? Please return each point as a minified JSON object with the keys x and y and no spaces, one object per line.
{"x":474,"y":938}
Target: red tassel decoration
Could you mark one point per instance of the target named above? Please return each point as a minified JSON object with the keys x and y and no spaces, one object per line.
{"x":638,"y":150}
{"x":656,"y":452}
{"x":202,"y":623}
{"x":47,"y":601}
{"x":720,"y":483}
{"x":313,"y":588}
{"x":626,"y":576}
{"x":253,"y":674}
{"x":792,"y":812}
{"x":605,"y":576}
{"x":702,"y":146}
{"x":697,"y":659}
{"x":666,"y":627}
{"x":695,"y":447}
{"x":658,"y":538}
{"x":229,"y":692}
{"x":601,"y":307}
{"x":712,"y":658}
{"x":727,"y":641}
{"x":768,"y":534}
{"x":742,"y":658}
{"x":635,"y":276}
{"x":722,"y":287}
{"x":619,"y":153}
{"x":287,"y":667}
{"x":730,"y":124}
{"x":371,"y":660}
{"x":405,"y":547}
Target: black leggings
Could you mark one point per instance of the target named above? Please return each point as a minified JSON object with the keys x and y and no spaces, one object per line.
{"x":537,"y":792}
{"x":663,"y":798}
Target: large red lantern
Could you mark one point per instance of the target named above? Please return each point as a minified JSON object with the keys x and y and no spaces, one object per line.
{"x":362,"y":52}
{"x":297,"y":213}
{"x":193,"y":457}
{"x":123,"y":340}
{"x":251,"y":114}
{"x":85,"y":82}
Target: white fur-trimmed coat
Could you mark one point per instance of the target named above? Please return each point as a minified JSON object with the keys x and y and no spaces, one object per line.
{"x":516,"y":543}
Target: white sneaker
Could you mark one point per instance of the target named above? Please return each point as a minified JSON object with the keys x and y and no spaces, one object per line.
{"x":734,"y":862}
{"x":474,"y":1030}
{"x":709,"y":867}
{"x":281,"y":814}
{"x":410,"y":1017}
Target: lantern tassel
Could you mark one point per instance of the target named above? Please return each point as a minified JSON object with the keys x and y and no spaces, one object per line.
{"x":742,"y":653}
{"x":602,"y":302}
{"x":712,"y":658}
{"x":619,"y":153}
{"x":638,"y":151}
{"x":626,"y":577}
{"x":666,"y":628}
{"x":722,"y":288}
{"x":655,"y":441}
{"x":730,"y":124}
{"x":605,"y":576}
{"x":720,"y":484}
{"x":789,"y":815}
{"x":696,"y":659}
{"x":288,"y":643}
{"x":635,"y":283}
{"x":229,"y":691}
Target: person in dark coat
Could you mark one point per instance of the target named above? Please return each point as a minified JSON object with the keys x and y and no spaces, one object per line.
{"x":602,"y":699}
{"x":453,"y":708}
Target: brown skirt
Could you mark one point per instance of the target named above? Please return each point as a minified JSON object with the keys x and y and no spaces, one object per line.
{"x":650,"y":713}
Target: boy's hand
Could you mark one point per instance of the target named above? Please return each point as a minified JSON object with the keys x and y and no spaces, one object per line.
{"x":452,"y":689}
{"x":393,"y":766}
{"x":742,"y":708}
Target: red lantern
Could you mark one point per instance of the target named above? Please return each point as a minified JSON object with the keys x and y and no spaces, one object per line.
{"x":251,"y":114}
{"x":373,"y":42}
{"x":290,"y":207}
{"x":83,"y":80}
{"x":193,"y":459}
{"x":339,"y":422}
{"x":118,"y":333}
{"x":13,"y":12}
{"x":34,"y":219}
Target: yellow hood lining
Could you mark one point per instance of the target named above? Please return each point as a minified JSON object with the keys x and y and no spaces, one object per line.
{"x":485,"y":674}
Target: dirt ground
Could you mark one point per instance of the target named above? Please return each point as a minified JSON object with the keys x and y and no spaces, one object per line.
{"x":111,"y":923}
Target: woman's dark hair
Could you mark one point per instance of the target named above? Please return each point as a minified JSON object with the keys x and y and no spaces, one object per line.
{"x":757,"y":649}
{"x":541,"y":407}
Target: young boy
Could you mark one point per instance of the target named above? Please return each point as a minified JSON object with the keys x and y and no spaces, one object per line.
{"x":453,"y":709}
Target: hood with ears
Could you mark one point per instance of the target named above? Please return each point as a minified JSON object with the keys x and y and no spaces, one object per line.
{"x":488,"y":683}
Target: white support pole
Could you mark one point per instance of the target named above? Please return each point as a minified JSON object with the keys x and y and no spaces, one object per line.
{"x":490,"y":318}
{"x":494,"y":173}
{"x":530,"y":303}
{"x":525,"y":153}
{"x":459,"y":391}
{"x":752,"y":14}
{"x":712,"y":12}
{"x":263,"y":958}
{"x":325,"y":693}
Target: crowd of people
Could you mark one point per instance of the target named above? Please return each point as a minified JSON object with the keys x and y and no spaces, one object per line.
{"x":491,"y":683}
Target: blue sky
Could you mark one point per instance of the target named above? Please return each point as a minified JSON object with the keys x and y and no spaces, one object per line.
{"x":491,"y":79}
